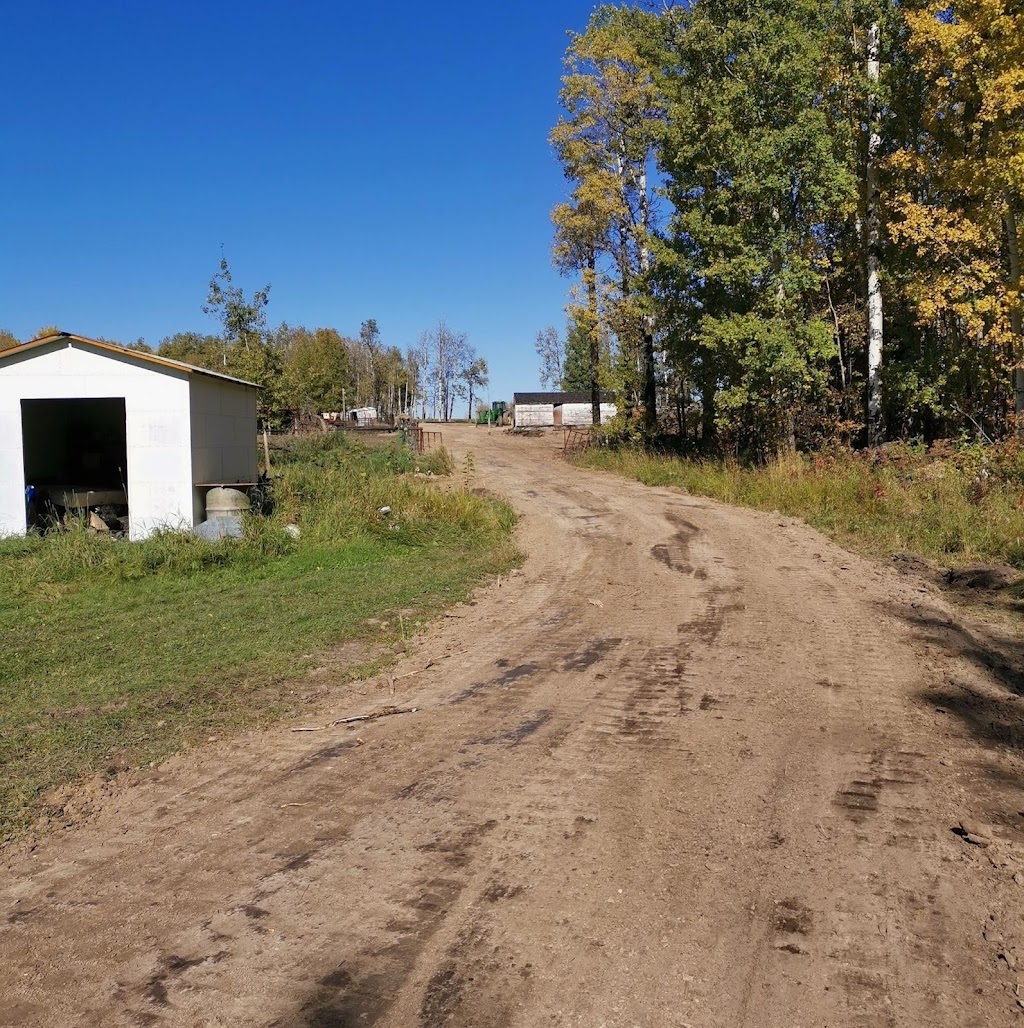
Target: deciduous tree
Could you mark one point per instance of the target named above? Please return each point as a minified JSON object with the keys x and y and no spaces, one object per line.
{"x":606,"y":141}
{"x":447,"y":351}
{"x":475,"y":376}
{"x":551,"y":351}
{"x":317,"y":371}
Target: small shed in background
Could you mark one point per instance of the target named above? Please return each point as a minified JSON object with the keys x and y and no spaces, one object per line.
{"x":543,"y":410}
{"x":86,"y":423}
{"x":363,"y":415}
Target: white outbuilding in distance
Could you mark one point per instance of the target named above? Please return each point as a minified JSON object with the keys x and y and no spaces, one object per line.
{"x":85,"y":423}
{"x":544,"y":410}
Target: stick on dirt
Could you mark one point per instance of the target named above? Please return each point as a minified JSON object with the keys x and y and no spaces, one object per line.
{"x":372,"y":716}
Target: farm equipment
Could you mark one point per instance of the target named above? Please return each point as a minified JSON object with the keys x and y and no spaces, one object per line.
{"x":494,"y":415}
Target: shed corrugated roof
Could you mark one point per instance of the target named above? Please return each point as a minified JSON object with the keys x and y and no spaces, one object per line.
{"x":556,"y":398}
{"x":121,"y":351}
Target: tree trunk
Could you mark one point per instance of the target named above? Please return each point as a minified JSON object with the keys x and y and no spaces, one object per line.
{"x":650,"y":381}
{"x":875,"y":427}
{"x":707,"y":397}
{"x":266,"y":447}
{"x":650,"y":371}
{"x":595,"y":338}
{"x":838,"y":331}
{"x":1013,"y":252}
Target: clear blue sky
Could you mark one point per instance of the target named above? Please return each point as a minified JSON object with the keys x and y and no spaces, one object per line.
{"x":384,"y":160}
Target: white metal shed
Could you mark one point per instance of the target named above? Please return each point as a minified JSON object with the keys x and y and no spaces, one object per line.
{"x":363,"y":415}
{"x":84,"y":422}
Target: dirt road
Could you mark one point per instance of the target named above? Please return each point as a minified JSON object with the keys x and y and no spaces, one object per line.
{"x":692,"y":766}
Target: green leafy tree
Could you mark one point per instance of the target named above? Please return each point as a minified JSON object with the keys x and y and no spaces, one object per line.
{"x":577,"y":371}
{"x":202,"y":351}
{"x":475,"y":376}
{"x":243,"y":321}
{"x":762,"y":184}
{"x":317,"y":374}
{"x":247,"y":351}
{"x":606,"y":144}
{"x":580,"y":360}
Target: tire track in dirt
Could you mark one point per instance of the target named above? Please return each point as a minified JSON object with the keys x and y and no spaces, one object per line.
{"x":683,"y":770}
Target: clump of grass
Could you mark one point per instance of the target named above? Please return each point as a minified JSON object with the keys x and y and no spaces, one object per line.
{"x":75,"y":555}
{"x":370,"y":493}
{"x":118,"y":653}
{"x":952,"y":504}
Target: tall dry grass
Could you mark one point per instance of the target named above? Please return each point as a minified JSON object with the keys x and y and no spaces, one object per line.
{"x":952,"y":504}
{"x":333,"y":489}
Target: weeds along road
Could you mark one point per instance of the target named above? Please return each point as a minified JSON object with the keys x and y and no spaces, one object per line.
{"x":692,"y":766}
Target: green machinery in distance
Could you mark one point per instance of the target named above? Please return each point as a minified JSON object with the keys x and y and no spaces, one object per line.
{"x":494,"y":415}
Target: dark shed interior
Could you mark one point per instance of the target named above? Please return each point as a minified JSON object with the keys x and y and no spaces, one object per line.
{"x":79,"y":443}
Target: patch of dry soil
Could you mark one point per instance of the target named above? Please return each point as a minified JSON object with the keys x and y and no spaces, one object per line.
{"x":693,"y":766}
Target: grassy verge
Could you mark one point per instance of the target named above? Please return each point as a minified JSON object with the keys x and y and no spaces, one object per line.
{"x":116,"y":654}
{"x":955,"y":506}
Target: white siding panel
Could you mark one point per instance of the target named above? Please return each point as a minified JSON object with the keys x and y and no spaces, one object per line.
{"x":534,"y":415}
{"x":581,"y":413}
{"x":223,"y":431}
{"x":577,"y":414}
{"x":12,"y":474}
{"x":223,"y":436}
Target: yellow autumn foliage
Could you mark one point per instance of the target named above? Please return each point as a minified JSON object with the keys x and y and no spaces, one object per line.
{"x":955,"y":197}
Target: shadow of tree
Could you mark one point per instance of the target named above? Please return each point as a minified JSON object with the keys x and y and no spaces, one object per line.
{"x":998,"y":656}
{"x":996,"y":722}
{"x":992,"y":709}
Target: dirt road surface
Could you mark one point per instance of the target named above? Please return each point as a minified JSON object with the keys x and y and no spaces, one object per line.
{"x":691,"y":766}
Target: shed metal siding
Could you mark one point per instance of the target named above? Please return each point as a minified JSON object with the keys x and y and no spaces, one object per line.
{"x":574,"y":414}
{"x":223,"y":421}
{"x":534,"y":415}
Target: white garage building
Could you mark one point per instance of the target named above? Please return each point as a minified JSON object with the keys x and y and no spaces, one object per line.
{"x":86,"y":423}
{"x":539,"y":410}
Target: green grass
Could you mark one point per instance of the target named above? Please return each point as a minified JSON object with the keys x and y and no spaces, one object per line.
{"x":952,"y":505}
{"x":116,"y":654}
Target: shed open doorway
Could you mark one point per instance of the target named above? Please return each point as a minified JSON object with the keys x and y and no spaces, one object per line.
{"x":76,"y":458}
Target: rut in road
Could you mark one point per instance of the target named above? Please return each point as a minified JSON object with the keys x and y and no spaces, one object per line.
{"x":691,"y":766}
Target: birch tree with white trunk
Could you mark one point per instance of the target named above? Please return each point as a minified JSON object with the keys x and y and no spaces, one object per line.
{"x":873,"y":232}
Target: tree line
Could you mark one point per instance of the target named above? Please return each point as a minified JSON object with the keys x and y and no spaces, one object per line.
{"x":794,"y":221}
{"x":304,"y":372}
